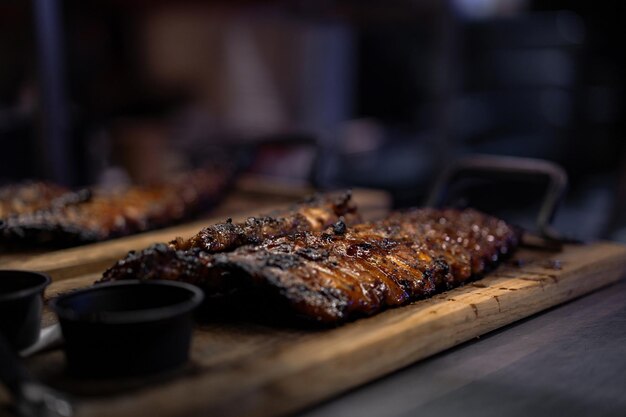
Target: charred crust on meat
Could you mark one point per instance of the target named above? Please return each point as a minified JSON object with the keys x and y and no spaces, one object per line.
{"x":327,"y":237}
{"x":339,"y":228}
{"x":314,"y":215}
{"x":312,"y":254}
{"x":441,"y":266}
{"x":387,"y":244}
{"x":283,"y":261}
{"x":359,"y":249}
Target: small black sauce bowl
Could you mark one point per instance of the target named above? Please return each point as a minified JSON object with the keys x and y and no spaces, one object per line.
{"x":127,"y":328}
{"x":21,"y":303}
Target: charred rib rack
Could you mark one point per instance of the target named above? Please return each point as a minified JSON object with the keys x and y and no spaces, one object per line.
{"x":44,"y":214}
{"x":343,"y":272}
{"x":28,"y":197}
{"x":316,"y":213}
{"x":187,"y":259}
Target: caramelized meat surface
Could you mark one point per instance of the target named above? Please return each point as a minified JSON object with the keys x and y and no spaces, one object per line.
{"x":343,"y":272}
{"x":334,"y":276}
{"x":67,"y":218}
{"x":187,"y":259}
{"x":317,"y":213}
{"x":28,"y":197}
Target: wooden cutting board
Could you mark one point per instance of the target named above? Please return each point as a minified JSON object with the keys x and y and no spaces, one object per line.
{"x":261,"y":370}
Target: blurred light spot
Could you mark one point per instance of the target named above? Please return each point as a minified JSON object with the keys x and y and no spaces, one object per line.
{"x":482,"y":9}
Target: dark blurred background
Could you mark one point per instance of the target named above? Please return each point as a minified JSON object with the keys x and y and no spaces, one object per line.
{"x":333,"y":93}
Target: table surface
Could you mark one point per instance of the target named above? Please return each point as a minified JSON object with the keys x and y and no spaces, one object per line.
{"x":569,"y":361}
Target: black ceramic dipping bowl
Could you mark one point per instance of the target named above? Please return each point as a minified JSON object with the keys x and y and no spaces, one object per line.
{"x":20,"y":306}
{"x":127,"y":328}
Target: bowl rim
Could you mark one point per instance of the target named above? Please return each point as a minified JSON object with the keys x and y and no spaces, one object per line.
{"x":196,"y":295}
{"x":28,"y":291}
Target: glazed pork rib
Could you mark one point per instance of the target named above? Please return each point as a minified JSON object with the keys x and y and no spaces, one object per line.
{"x":64,"y":218}
{"x":345,"y":272}
{"x":337,"y":275}
{"x":29,"y":197}
{"x":187,"y":259}
{"x":315,"y":213}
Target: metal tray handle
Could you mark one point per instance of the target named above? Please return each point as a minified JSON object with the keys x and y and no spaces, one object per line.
{"x":511,"y":168}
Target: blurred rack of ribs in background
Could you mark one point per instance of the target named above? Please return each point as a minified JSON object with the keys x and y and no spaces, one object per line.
{"x":38,"y":214}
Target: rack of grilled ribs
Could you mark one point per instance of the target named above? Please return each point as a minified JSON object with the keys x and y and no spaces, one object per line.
{"x":38,"y":213}
{"x":184,"y":259}
{"x":28,"y":197}
{"x":345,"y":271}
{"x":314,"y":213}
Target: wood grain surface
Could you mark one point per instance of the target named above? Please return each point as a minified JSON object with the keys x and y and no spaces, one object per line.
{"x":255,"y":369}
